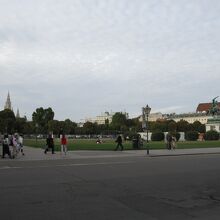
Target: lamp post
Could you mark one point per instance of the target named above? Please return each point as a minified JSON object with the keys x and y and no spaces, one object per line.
{"x":145,"y":115}
{"x":36,"y":129}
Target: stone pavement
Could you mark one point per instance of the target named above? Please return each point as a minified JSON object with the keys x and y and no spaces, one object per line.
{"x":38,"y":154}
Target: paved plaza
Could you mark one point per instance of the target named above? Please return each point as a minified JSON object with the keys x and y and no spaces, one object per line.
{"x":127,"y":185}
{"x":38,"y":154}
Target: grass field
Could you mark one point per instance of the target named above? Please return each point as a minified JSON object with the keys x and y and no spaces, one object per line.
{"x":90,"y":144}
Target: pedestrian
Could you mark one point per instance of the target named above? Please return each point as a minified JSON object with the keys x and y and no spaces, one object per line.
{"x":10,"y":143}
{"x":15,"y":146}
{"x":5,"y":147}
{"x":169,"y":140}
{"x":63,"y":144}
{"x":119,"y":143}
{"x":173,"y":142}
{"x":20,"y":143}
{"x":49,"y":144}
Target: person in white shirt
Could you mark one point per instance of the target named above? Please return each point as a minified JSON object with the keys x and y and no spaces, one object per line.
{"x":20,"y":143}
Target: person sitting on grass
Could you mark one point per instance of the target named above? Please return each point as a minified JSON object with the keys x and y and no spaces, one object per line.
{"x":98,"y":141}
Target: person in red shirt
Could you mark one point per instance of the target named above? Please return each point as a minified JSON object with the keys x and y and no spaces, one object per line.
{"x":63,"y":144}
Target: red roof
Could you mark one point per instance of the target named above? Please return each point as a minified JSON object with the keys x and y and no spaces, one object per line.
{"x":204,"y":107}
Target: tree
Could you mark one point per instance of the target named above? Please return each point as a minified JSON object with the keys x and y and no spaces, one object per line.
{"x":134,"y":125}
{"x":20,"y":124}
{"x":41,"y":117}
{"x":54,"y":125}
{"x":158,"y":126}
{"x":29,"y":127}
{"x":89,"y":128}
{"x":79,"y":131}
{"x":69,"y":126}
{"x":198,"y":126}
{"x":172,"y":126}
{"x":107,"y":122}
{"x":183,"y":126}
{"x":119,"y":121}
{"x":7,"y":121}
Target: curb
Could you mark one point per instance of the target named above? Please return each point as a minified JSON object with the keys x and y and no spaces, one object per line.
{"x":184,"y":154}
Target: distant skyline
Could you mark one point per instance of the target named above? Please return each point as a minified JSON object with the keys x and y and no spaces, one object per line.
{"x":84,"y":57}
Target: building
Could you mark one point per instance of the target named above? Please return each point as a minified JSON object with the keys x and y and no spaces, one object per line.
{"x":191,"y":117}
{"x":8,"y":103}
{"x":154,"y":117}
{"x":8,"y":106}
{"x":204,"y":107}
{"x":213,"y":124}
{"x":101,"y":119}
{"x":18,"y":114}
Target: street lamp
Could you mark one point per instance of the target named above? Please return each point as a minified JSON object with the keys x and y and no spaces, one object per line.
{"x":145,"y":115}
{"x":36,"y":129}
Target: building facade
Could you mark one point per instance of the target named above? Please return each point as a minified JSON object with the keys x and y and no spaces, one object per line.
{"x":103,"y":118}
{"x":191,"y":117}
{"x":213,"y":124}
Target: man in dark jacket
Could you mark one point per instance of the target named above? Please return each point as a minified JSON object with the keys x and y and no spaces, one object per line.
{"x":169,"y":141}
{"x":5,"y":147}
{"x":119,"y":141}
{"x":49,"y":143}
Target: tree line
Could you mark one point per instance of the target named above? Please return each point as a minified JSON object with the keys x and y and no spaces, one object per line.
{"x":43,"y":122}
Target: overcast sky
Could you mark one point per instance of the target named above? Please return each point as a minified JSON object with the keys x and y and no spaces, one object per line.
{"x":84,"y":57}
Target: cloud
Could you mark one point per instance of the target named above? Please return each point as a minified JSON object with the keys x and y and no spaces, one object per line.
{"x":83,"y":57}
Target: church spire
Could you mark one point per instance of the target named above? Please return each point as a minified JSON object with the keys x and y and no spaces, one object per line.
{"x":17,"y":114}
{"x":8,"y":103}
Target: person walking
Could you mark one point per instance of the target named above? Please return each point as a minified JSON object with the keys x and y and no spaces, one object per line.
{"x":49,"y":144}
{"x":5,"y":147}
{"x":119,"y":143}
{"x":63,"y":144}
{"x":173,"y":142}
{"x":20,"y":143}
{"x":169,"y":141}
{"x":15,"y":146}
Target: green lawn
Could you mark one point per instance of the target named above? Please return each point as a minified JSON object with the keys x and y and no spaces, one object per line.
{"x":90,"y":144}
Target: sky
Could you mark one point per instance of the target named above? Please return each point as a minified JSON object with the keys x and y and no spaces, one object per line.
{"x":85,"y":57}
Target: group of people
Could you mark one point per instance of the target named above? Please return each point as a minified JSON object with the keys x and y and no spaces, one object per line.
{"x":12,"y":145}
{"x":171,"y":142}
{"x":63,"y":143}
{"x":50,"y":144}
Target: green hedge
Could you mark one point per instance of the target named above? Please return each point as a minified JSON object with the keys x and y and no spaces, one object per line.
{"x":211,"y":135}
{"x":191,"y":135}
{"x":157,"y":136}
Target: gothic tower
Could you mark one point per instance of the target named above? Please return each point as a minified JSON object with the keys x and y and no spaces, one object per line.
{"x":8,"y":103}
{"x":17,"y":114}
